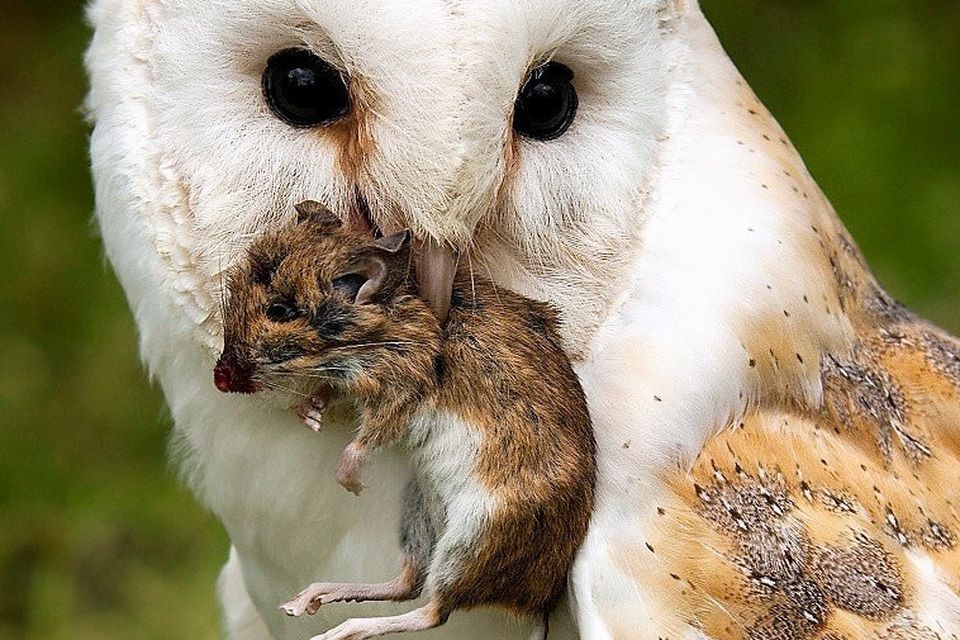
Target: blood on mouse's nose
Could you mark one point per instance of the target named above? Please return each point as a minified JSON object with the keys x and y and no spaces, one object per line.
{"x":222,"y":378}
{"x":230,"y":377}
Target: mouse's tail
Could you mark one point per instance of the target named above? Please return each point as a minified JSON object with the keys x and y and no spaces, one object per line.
{"x":543,"y":627}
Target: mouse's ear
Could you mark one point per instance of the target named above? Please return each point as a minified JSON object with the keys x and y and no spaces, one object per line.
{"x":365,"y":280}
{"x":311,"y":211}
{"x":360,"y":284}
{"x":395,"y":243}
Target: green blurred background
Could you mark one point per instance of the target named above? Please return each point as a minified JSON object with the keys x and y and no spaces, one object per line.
{"x":98,"y":539}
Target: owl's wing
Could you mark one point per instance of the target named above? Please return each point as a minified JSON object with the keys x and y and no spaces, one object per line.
{"x":779,"y":440}
{"x":833,"y":522}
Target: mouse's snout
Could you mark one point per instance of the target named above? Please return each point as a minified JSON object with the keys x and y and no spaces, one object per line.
{"x":233,"y":376}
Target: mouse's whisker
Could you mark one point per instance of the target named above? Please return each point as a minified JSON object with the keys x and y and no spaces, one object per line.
{"x":273,"y":385}
{"x":361,"y":345}
{"x":293,"y":371}
{"x":493,"y":283}
{"x":473,"y":281}
{"x":309,"y":374}
{"x":312,"y":372}
{"x":222,"y":292}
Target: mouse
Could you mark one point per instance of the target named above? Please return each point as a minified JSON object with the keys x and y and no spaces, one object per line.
{"x":487,"y":406}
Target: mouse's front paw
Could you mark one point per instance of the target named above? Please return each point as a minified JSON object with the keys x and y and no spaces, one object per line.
{"x":350,"y":469}
{"x":310,"y":412}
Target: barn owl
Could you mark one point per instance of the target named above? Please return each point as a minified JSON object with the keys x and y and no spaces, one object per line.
{"x":778,"y":438}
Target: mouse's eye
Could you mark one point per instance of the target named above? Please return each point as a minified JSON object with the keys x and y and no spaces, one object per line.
{"x":304,"y":90}
{"x":349,"y":285}
{"x":547,"y":103}
{"x":282,"y":312}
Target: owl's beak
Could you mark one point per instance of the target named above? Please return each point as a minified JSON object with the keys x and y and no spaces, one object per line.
{"x":436,"y":270}
{"x":436,"y":263}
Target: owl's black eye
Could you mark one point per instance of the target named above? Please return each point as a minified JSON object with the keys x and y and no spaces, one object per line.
{"x":547,"y":103}
{"x":304,"y":90}
{"x":282,"y":312}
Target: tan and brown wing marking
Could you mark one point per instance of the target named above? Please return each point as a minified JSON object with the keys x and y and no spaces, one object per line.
{"x":799,"y":524}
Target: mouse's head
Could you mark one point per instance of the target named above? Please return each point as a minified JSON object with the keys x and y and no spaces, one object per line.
{"x":319,"y":303}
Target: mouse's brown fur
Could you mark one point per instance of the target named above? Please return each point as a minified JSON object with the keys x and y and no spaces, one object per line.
{"x":385,"y":350}
{"x":507,"y":375}
{"x":489,"y":406}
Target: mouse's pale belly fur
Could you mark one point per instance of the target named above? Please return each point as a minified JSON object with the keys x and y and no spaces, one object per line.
{"x":446,"y":449}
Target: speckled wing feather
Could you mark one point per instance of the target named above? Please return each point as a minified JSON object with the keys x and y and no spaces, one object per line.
{"x":830,"y":521}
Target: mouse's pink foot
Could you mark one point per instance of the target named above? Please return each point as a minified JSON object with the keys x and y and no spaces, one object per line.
{"x":309,"y":601}
{"x":421,"y":619}
{"x":350,"y":469}
{"x":318,"y":594}
{"x":311,"y":411}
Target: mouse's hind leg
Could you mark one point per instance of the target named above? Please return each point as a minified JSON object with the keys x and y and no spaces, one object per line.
{"x":542,"y":629}
{"x":405,"y":586}
{"x":426,"y":617}
{"x":417,"y":538}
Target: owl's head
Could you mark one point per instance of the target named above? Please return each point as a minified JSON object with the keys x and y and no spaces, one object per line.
{"x":517,"y":134}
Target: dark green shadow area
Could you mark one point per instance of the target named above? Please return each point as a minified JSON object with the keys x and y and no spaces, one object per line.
{"x":868,"y":91}
{"x":97,"y":538}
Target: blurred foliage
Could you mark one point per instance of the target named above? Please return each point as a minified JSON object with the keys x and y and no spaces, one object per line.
{"x":98,"y":540}
{"x":868,"y":91}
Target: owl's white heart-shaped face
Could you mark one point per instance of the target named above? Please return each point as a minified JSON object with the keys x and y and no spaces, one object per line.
{"x":520,"y":133}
